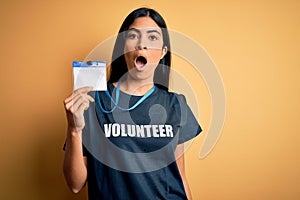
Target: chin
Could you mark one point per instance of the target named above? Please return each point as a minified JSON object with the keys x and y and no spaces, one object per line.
{"x":139,"y":76}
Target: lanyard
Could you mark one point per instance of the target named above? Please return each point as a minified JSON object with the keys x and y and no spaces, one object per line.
{"x":115,"y":102}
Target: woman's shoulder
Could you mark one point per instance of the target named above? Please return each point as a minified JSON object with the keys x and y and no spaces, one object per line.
{"x":172,"y":96}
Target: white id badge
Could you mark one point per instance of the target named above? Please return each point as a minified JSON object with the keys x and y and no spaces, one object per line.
{"x":91,"y":73}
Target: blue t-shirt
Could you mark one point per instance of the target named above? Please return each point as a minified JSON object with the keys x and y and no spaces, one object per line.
{"x":131,"y":153}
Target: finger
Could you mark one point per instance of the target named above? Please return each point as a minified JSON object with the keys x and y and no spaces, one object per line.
{"x":83,"y":106}
{"x":90,"y":98}
{"x":80,"y":103}
{"x":70,"y":101}
{"x":78,"y":97}
{"x":87,"y":106}
{"x":86,"y":99}
{"x":83,"y":90}
{"x":76,"y":102}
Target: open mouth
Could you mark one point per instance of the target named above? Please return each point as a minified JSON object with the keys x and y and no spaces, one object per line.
{"x":140,"y":61}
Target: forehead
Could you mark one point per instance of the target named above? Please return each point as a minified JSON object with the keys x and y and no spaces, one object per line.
{"x":144,"y":23}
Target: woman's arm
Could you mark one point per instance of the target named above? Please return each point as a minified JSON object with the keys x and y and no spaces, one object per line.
{"x":75,"y":164}
{"x":179,"y":155}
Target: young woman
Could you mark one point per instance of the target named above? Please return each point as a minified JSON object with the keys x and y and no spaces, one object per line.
{"x":128,"y":142}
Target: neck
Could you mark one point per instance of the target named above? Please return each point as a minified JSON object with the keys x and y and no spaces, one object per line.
{"x":136,"y":87}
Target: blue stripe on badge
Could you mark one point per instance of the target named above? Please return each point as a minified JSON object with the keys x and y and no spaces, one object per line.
{"x":89,"y":64}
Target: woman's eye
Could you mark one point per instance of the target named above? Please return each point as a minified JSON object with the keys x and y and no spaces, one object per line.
{"x":153,"y":37}
{"x":132,"y":36}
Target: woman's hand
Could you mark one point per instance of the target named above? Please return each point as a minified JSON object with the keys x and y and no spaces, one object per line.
{"x":75,"y":105}
{"x":75,"y":164}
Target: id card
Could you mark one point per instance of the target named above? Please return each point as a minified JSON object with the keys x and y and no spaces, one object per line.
{"x":91,"y":73}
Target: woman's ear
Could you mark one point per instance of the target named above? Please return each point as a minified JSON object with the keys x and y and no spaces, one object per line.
{"x":164,"y":52}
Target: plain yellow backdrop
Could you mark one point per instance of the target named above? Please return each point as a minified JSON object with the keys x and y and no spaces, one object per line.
{"x":255,"y":45}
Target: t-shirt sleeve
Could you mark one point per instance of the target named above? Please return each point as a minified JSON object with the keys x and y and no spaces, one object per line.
{"x":189,"y":126}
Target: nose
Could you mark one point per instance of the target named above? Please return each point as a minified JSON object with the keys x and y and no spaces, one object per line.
{"x":140,"y":47}
{"x":141,"y":44}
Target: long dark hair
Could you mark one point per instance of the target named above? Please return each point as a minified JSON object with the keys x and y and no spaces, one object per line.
{"x":118,"y":65}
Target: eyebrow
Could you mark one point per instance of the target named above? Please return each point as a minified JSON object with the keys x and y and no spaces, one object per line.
{"x":148,"y":31}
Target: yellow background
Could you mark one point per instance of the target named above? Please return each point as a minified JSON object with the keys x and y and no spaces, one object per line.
{"x":255,"y":45}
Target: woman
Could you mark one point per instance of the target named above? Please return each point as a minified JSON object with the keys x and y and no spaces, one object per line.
{"x":127,"y":142}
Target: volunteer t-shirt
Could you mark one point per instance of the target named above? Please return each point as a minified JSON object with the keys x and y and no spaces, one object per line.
{"x":130,"y":153}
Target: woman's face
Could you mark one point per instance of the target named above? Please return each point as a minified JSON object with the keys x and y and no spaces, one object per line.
{"x":143,"y":48}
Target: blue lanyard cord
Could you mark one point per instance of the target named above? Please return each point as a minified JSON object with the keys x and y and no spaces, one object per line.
{"x":117,"y":100}
{"x":101,"y":108}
